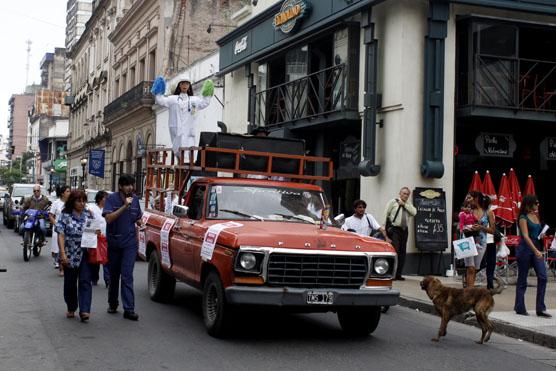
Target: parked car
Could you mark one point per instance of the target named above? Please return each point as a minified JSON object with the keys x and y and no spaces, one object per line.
{"x":3,"y":193}
{"x":14,"y":201}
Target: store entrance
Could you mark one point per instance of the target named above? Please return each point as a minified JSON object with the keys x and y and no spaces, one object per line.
{"x":340,"y":141}
{"x":497,"y":145}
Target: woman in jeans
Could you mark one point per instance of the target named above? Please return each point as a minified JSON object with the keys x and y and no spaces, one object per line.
{"x":78,"y":290}
{"x":529,"y":254}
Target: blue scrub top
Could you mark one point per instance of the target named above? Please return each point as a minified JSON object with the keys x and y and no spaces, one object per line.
{"x":122,"y":233}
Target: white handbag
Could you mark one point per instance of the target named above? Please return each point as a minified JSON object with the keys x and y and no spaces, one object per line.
{"x":465,"y":248}
{"x":502,"y":251}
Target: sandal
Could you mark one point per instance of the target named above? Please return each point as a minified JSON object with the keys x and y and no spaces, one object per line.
{"x":84,"y":317}
{"x":70,"y":314}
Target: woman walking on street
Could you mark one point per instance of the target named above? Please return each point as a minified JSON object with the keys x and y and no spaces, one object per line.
{"x":485,"y":224}
{"x":96,"y":210}
{"x":529,"y":254}
{"x":78,"y":290}
{"x":54,"y":214}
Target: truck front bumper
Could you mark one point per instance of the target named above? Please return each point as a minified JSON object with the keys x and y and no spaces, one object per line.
{"x":298,"y":297}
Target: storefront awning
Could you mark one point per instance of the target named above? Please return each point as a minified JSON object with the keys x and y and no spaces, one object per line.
{"x":260,"y":36}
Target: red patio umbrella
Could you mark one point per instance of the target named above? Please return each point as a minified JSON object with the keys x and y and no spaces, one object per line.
{"x":476,"y":183}
{"x":515,"y":190}
{"x":529,"y":186}
{"x":488,"y":187}
{"x":504,"y":212}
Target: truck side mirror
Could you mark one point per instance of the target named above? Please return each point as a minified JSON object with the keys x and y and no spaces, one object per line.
{"x":180,"y":211}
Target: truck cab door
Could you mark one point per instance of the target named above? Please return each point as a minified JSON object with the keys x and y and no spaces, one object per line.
{"x":187,"y":234}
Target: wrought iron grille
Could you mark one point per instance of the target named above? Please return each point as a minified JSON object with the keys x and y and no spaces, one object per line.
{"x":317,"y":271}
{"x":136,"y":96}
{"x":518,"y":84}
{"x":319,"y":93}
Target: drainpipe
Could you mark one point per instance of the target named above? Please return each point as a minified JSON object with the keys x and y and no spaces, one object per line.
{"x":251,"y":91}
{"x":368,"y":167}
{"x":433,"y":103}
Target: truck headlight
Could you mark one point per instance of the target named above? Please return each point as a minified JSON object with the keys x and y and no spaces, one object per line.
{"x":247,"y":261}
{"x":381,"y":266}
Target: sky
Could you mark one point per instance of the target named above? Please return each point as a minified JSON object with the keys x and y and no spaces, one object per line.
{"x":41,"y":21}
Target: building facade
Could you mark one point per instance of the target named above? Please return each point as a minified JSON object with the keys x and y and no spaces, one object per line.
{"x":19,"y":106}
{"x":48,"y":123}
{"x":129,"y":115}
{"x":90,"y":89}
{"x":401,"y":93}
{"x":78,"y":13}
{"x":154,"y":38}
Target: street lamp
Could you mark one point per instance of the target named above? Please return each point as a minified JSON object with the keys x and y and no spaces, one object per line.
{"x":51,"y":179}
{"x":83,"y":164}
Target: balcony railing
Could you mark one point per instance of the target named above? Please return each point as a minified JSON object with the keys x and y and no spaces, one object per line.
{"x":318,"y":94}
{"x":516,"y":84}
{"x":137,"y":97}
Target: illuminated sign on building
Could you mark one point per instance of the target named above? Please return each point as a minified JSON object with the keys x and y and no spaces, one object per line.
{"x":290,"y":12}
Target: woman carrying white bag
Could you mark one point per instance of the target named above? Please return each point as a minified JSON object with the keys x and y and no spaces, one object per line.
{"x":480,"y":207}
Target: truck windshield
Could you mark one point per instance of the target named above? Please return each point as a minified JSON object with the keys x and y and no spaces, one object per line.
{"x":265,"y":204}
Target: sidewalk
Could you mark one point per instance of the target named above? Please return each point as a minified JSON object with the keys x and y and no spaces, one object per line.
{"x":530,"y":328}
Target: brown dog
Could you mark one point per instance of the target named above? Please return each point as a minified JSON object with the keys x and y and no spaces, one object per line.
{"x":450,"y":302}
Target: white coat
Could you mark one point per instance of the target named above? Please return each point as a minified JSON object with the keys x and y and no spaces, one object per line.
{"x":182,"y":120}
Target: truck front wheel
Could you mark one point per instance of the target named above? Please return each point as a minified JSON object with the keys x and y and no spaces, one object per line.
{"x":216,"y":311}
{"x":359,"y":321}
{"x":161,"y":285}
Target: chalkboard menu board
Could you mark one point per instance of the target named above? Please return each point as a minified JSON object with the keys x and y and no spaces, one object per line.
{"x":431,"y":232}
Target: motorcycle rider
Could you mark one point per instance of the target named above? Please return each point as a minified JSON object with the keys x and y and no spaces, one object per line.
{"x":37,"y":201}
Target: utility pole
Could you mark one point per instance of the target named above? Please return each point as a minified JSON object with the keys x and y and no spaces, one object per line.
{"x":28,"y":42}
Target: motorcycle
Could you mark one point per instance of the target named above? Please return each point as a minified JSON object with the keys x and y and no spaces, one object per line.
{"x":33,"y":237}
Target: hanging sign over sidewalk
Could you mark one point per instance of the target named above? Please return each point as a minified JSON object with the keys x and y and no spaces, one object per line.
{"x":96,"y":162}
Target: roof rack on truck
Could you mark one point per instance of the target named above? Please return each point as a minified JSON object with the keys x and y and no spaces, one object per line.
{"x":168,"y":175}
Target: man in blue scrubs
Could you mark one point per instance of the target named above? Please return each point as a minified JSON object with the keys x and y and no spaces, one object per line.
{"x":122,"y":213}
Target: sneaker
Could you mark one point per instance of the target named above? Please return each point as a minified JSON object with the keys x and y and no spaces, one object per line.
{"x":112,"y":310}
{"x":56,"y":265}
{"x":131,"y":315}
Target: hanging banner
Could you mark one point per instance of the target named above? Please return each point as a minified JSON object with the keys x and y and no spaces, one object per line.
{"x":96,"y":162}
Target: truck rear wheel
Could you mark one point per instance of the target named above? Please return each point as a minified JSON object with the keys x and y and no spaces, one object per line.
{"x":161,"y":286}
{"x":216,"y":311}
{"x":359,"y":321}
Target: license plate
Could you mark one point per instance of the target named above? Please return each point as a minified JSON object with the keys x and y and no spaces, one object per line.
{"x":320,"y":297}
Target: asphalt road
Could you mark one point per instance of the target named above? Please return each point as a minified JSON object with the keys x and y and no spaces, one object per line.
{"x":34,"y":334}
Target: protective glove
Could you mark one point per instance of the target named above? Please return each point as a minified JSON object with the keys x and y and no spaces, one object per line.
{"x":208,"y":89}
{"x":159,"y":86}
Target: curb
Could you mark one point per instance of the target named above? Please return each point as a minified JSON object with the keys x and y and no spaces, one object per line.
{"x":500,"y":327}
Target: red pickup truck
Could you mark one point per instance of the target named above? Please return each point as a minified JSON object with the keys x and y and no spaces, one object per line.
{"x":260,"y":242}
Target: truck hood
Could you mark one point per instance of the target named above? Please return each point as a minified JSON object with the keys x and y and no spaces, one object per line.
{"x":298,"y":236}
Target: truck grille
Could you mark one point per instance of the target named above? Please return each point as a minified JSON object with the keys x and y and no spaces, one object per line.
{"x":312,"y":271}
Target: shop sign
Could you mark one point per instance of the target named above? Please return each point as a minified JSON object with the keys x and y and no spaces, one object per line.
{"x":60,"y":165}
{"x":495,"y":145}
{"x":290,"y":12}
{"x":240,"y":45}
